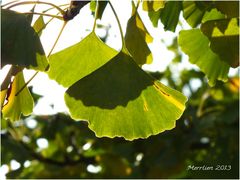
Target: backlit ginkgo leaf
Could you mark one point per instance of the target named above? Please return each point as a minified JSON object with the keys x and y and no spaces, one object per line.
{"x":20,"y":104}
{"x":79,"y":60}
{"x":150,"y":5}
{"x":223,"y":35}
{"x":193,"y":11}
{"x":196,"y":46}
{"x":120,"y":99}
{"x":169,"y":15}
{"x":39,"y":25}
{"x":20,"y":44}
{"x":136,"y":39}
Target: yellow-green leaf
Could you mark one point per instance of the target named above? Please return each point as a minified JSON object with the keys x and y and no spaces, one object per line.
{"x":151,"y":5}
{"x":120,"y":99}
{"x":20,"y":104}
{"x":79,"y":60}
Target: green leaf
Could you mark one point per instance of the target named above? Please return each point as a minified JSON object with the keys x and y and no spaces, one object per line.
{"x":22,"y":103}
{"x":101,"y":7}
{"x":39,"y":25}
{"x":136,"y":39}
{"x":196,"y":46}
{"x":170,"y":14}
{"x":214,"y":14}
{"x":79,"y":60}
{"x":120,"y":99}
{"x":153,"y":5}
{"x":193,"y":11}
{"x":223,"y":35}
{"x":20,"y":44}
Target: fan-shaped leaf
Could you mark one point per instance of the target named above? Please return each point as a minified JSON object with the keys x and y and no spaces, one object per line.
{"x":120,"y":99}
{"x":193,"y":11}
{"x":196,"y":46}
{"x":79,"y":60}
{"x":224,"y":38}
{"x":136,"y":39}
{"x":20,"y":44}
{"x":22,"y":103}
{"x":152,"y":5}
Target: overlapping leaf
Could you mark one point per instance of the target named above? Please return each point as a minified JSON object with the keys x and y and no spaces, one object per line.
{"x":136,"y":39}
{"x":20,"y":44}
{"x":120,"y":99}
{"x":196,"y":46}
{"x":153,"y":5}
{"x":79,"y":60}
{"x":20,"y":104}
{"x":169,"y":15}
{"x":224,"y":38}
{"x":193,"y":11}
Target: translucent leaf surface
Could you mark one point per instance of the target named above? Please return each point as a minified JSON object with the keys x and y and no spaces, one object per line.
{"x":224,"y":38}
{"x":20,"y":44}
{"x":170,"y":14}
{"x":193,"y":11}
{"x":136,"y":39}
{"x":230,"y":8}
{"x":23,"y":103}
{"x":152,"y":5}
{"x":120,"y":99}
{"x":196,"y":46}
{"x":101,"y":7}
{"x":39,"y":25}
{"x":79,"y":60}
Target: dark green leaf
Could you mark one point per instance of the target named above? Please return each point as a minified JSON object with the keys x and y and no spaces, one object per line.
{"x":20,"y":44}
{"x":136,"y":39}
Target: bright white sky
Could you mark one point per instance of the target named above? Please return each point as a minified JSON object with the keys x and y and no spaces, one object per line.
{"x":77,"y":29}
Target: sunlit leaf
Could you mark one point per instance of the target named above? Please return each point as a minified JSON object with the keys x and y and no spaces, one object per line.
{"x":20,"y":44}
{"x":223,"y":35}
{"x":39,"y":25}
{"x":169,"y":15}
{"x":136,"y":39}
{"x":20,"y":104}
{"x":152,"y":5}
{"x":193,"y":11}
{"x":79,"y":60}
{"x":196,"y":46}
{"x":120,"y":99}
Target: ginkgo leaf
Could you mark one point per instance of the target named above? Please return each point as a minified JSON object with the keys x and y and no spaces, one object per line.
{"x":223,"y":35}
{"x":136,"y":39}
{"x":20,"y":104}
{"x":79,"y":60}
{"x":153,"y":5}
{"x":101,"y":7}
{"x":120,"y":99}
{"x":169,"y":15}
{"x":196,"y":46}
{"x":20,"y":44}
{"x":39,"y":25}
{"x":230,"y":8}
{"x":193,"y":11}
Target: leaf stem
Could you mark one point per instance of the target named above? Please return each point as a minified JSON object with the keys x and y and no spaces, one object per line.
{"x":9,"y":3}
{"x":37,"y":2}
{"x":119,"y":25}
{"x":50,"y":52}
{"x":43,"y":14}
{"x":96,"y":14}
